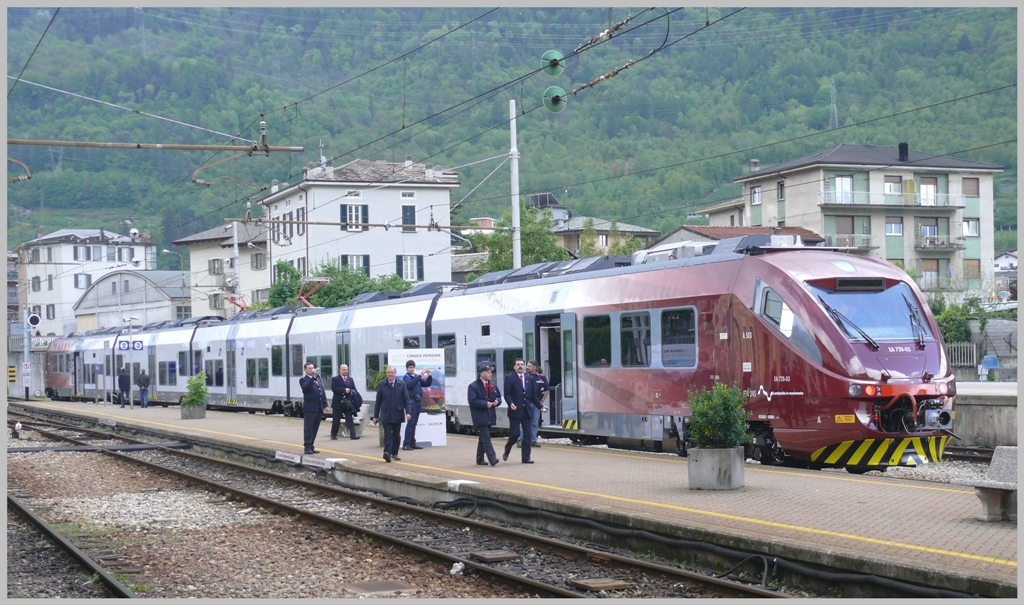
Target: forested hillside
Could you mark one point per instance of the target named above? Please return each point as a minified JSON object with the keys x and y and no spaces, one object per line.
{"x":658,"y":140}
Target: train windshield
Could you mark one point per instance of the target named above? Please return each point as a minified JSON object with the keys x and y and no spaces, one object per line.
{"x":890,"y":314}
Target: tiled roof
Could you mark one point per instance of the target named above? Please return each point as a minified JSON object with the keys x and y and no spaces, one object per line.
{"x":247,"y":232}
{"x":463,"y":263}
{"x":720,"y":233}
{"x":380,"y":171}
{"x":577,"y":223}
{"x":871,"y":155}
{"x":72,"y":235}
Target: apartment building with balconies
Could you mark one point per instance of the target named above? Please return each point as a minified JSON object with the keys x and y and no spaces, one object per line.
{"x":930,"y":215}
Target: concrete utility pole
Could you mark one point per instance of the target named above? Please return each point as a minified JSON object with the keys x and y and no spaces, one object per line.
{"x":234,"y":263}
{"x":27,"y":377}
{"x":513,"y":154}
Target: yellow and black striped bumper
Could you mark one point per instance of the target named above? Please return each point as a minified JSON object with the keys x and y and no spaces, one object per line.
{"x":571,"y":425}
{"x":881,"y":453}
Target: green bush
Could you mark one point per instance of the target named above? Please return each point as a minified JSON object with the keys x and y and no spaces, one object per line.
{"x":197,"y":391}
{"x":717,"y":417}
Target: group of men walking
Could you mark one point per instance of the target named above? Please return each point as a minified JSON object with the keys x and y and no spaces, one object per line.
{"x":400,"y":400}
{"x":524,"y":394}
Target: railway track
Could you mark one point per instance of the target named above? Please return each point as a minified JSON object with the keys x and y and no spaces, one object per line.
{"x":52,"y":569}
{"x":972,"y":454}
{"x":536,"y":564}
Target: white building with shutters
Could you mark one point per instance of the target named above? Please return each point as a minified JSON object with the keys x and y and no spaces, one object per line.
{"x":54,"y":270}
{"x":374,"y":216}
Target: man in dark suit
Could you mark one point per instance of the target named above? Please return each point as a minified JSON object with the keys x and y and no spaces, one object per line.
{"x":124,"y":385}
{"x":483,"y":397}
{"x":345,"y":401}
{"x":415,"y":383}
{"x":314,"y":402}
{"x":536,"y":391}
{"x":391,"y":409}
{"x":518,"y":412}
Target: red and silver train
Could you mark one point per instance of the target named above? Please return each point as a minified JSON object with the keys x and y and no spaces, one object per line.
{"x":840,"y":359}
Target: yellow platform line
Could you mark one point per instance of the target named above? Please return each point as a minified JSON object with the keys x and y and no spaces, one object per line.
{"x":686,"y":509}
{"x":800,"y":528}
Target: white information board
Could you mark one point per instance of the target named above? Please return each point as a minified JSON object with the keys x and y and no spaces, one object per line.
{"x":431,"y":427}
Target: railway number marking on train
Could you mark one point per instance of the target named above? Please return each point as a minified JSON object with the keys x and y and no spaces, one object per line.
{"x":780,"y":378}
{"x":899,"y":349}
{"x":770,"y":394}
{"x":748,"y":335}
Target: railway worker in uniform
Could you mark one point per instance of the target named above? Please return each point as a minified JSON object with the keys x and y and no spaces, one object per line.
{"x":415,"y":383}
{"x":518,"y":414}
{"x":314,"y":402}
{"x":143,"y":382}
{"x":536,"y":392}
{"x":346,"y":402}
{"x":124,"y":385}
{"x":391,"y":409}
{"x":483,"y":397}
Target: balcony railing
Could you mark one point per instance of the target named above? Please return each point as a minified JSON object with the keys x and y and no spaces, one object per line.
{"x":850,"y":240}
{"x":874,"y":198}
{"x":939,"y":243}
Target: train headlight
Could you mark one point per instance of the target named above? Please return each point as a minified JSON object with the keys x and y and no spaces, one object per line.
{"x":870,"y":390}
{"x":854,"y":390}
{"x":943,"y":388}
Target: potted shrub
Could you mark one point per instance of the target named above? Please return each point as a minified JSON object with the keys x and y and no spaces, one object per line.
{"x":193,"y":405}
{"x":718,"y":427}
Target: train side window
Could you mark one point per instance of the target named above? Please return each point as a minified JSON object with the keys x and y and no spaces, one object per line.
{"x":326,"y":367}
{"x":218,"y":372}
{"x":448,"y":342}
{"x":277,"y":360}
{"x":372,"y":369}
{"x":485,"y":329}
{"x":183,"y":362}
{"x":411,"y":342}
{"x":209,"y":373}
{"x":679,"y":338}
{"x":297,"y":358}
{"x":781,"y":317}
{"x":264,"y":373}
{"x":250,"y":373}
{"x":197,"y":363}
{"x":509,"y":357}
{"x":172,"y":373}
{"x":162,"y":375}
{"x":636,"y":339}
{"x":106,"y":364}
{"x":597,"y":341}
{"x":489,"y":357}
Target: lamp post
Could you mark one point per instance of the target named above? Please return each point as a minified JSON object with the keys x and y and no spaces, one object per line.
{"x":131,"y":359}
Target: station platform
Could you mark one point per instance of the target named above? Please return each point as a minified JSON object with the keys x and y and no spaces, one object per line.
{"x":913,"y":531}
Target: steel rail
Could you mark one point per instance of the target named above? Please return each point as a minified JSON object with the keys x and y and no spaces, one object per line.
{"x":973,"y":454}
{"x":120,"y":590}
{"x":731,"y":588}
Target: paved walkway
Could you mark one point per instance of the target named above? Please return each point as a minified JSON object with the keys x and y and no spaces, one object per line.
{"x":928,"y":525}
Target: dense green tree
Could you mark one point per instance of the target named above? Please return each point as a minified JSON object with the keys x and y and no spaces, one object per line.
{"x":588,"y":240}
{"x":538,"y":244}
{"x":286,"y":289}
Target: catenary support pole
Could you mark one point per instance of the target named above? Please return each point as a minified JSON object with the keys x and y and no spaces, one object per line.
{"x":513,"y":154}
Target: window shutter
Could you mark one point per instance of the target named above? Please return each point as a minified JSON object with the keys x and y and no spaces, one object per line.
{"x":398,"y":265}
{"x":344,"y":216}
{"x":75,"y":253}
{"x":366,"y":216}
{"x":366,"y":264}
{"x":419,"y":267}
{"x":344,"y":260}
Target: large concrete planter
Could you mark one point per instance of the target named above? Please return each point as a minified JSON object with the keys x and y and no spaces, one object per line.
{"x":192,"y":412}
{"x":715,"y":468}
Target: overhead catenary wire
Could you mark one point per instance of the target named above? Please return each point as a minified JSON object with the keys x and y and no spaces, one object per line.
{"x":27,"y":61}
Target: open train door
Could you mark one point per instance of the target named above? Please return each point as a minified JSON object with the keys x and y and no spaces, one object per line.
{"x":567,"y":403}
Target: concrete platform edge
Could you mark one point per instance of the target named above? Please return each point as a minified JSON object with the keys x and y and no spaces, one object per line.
{"x":430,"y":488}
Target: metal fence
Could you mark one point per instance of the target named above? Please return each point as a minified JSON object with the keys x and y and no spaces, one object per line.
{"x":962,"y":354}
